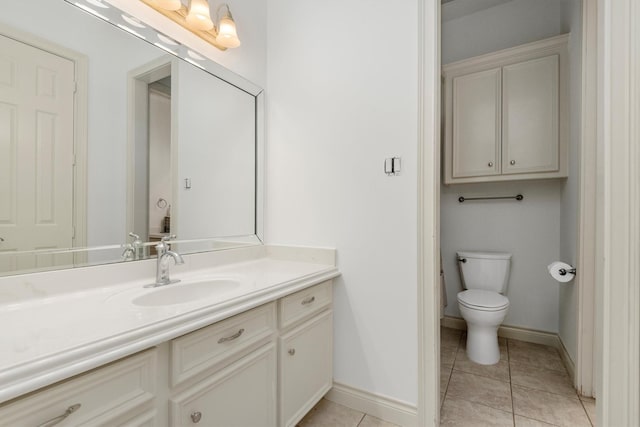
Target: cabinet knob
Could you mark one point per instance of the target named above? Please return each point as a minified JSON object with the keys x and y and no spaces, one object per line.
{"x":512,"y":162}
{"x":490,"y":164}
{"x":196,"y":416}
{"x":292,"y":351}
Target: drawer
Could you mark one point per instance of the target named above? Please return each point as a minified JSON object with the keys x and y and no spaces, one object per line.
{"x":105,"y":396}
{"x":305,"y":303}
{"x":209,"y":347}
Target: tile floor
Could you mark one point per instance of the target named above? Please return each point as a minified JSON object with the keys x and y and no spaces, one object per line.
{"x":529,"y":386}
{"x":329,"y":414}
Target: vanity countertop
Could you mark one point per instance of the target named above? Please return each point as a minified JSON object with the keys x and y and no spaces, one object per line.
{"x":61,"y":334}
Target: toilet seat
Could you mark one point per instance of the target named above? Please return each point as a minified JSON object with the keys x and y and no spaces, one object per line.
{"x":476,"y":299}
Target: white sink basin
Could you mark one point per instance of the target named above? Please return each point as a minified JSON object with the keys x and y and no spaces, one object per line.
{"x":180,"y":293}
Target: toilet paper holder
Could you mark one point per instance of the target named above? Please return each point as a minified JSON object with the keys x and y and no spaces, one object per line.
{"x":564,"y":271}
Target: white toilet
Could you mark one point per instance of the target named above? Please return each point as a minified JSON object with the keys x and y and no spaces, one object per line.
{"x":484,"y":276}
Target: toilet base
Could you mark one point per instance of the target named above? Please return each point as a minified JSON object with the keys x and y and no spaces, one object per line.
{"x":482,"y":344}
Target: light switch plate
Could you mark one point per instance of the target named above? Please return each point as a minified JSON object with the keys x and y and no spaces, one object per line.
{"x":392,"y":166}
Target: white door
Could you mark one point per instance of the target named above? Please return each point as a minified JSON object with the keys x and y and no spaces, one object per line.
{"x":36,"y":153}
{"x":530,"y":116}
{"x":476,"y":124}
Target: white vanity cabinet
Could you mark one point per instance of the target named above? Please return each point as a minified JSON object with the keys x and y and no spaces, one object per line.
{"x":121,"y":393}
{"x":266,"y":366}
{"x":305,"y":351}
{"x":506,"y":115}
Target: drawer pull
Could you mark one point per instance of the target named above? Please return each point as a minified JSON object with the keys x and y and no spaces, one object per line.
{"x":57,"y":420}
{"x":196,"y":417}
{"x":232,"y":337}
{"x":308,"y":300}
{"x":292,"y":351}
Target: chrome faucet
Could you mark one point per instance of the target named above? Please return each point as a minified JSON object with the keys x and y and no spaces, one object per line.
{"x":162,"y":268}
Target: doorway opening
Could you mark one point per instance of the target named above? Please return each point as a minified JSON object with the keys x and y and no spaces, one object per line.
{"x":150,"y":192}
{"x":569,"y":199}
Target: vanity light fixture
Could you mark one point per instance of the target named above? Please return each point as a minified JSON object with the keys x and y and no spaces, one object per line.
{"x":199,"y":15}
{"x":227,"y":34}
{"x":196,"y":17}
{"x":168,"y":4}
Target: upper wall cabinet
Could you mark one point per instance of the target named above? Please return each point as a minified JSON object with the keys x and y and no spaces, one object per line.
{"x":506,"y":114}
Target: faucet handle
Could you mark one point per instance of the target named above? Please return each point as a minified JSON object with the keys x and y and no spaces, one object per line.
{"x":163,"y":246}
{"x":128,"y":252}
{"x":134,"y":235}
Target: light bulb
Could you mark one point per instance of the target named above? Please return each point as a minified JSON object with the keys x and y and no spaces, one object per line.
{"x":199,"y":15}
{"x":227,"y":35}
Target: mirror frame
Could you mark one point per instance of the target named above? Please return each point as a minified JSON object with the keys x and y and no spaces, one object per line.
{"x":154,"y":21}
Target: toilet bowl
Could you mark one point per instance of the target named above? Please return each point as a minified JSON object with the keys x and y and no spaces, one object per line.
{"x":484,"y":312}
{"x":482,"y":305}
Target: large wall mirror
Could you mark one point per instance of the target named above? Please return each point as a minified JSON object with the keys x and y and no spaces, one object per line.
{"x":108,"y":128}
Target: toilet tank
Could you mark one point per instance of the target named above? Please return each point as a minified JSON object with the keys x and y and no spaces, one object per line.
{"x":484,"y":270}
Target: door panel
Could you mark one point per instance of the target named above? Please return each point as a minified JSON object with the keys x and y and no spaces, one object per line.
{"x":36,"y":151}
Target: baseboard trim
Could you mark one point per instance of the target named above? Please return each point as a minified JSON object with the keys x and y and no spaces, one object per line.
{"x":382,"y":407}
{"x":454,"y":323}
{"x":522,"y":334}
{"x":568,"y":362}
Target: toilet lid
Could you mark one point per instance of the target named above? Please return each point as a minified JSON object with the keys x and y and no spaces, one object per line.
{"x":487,"y":300}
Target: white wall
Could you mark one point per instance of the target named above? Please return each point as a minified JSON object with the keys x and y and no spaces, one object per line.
{"x":529,"y":230}
{"x":533,"y":229}
{"x":499,"y":27}
{"x":341,"y":98}
{"x":568,"y":305}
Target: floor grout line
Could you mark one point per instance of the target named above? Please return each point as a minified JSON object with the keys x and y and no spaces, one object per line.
{"x":513,"y":407}
{"x":361,"y":419}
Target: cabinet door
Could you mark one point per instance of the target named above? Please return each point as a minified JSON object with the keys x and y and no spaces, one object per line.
{"x":530,"y":116}
{"x":306,"y":367}
{"x":476,"y":124}
{"x":240,"y":395}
